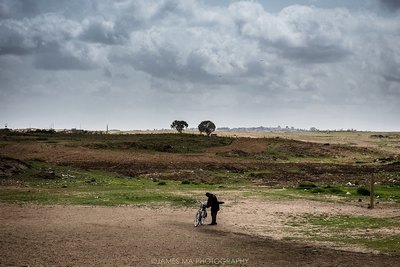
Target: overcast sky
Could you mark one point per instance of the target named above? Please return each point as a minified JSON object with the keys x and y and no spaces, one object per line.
{"x":140,"y":64}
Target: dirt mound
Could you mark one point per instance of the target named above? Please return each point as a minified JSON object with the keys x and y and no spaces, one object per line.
{"x":10,"y":166}
{"x":279,"y":161}
{"x":284,"y":149}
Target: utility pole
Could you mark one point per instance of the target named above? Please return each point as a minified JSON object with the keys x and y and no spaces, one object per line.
{"x":107,"y":129}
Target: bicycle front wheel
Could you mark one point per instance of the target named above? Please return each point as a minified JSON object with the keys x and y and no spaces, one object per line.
{"x":197,"y":219}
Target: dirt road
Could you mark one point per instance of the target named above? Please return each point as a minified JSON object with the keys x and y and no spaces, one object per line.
{"x":33,"y":235}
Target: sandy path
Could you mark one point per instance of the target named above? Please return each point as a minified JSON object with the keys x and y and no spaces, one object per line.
{"x":33,"y":235}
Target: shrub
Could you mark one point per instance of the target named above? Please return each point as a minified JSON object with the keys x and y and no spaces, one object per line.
{"x":162,"y":183}
{"x":317,"y":190}
{"x":326,"y":190}
{"x":335,"y":190}
{"x":363,"y":191}
{"x":185,"y":182}
{"x":306,"y":185}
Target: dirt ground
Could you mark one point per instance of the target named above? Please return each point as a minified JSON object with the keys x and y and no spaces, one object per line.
{"x":35,"y":235}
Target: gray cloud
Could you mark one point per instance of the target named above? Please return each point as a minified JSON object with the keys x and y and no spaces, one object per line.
{"x":54,"y":57}
{"x":18,"y":8}
{"x":28,"y":35}
{"x":303,"y":34}
{"x":13,"y":40}
{"x":102,"y":31}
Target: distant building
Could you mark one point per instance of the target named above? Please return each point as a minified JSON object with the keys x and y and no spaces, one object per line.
{"x":26,"y":130}
{"x":73,"y":131}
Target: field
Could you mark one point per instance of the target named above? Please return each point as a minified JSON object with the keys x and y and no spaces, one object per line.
{"x":129,"y":199}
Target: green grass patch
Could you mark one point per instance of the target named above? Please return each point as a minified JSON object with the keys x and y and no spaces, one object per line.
{"x":353,"y":230}
{"x":382,"y":192}
{"x":258,"y":173}
{"x":51,"y":184}
{"x":306,"y":185}
{"x":93,"y":197}
{"x":274,"y":152}
{"x":309,"y":187}
{"x":272,"y":193}
{"x":386,"y":244}
{"x":352,"y":222}
{"x":388,"y":192}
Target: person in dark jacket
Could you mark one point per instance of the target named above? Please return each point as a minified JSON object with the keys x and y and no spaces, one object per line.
{"x":214,"y":204}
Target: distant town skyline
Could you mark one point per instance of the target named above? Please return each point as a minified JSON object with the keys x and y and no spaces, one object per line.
{"x":141,"y":64}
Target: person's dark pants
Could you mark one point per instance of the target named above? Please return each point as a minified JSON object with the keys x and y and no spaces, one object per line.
{"x":214,"y":217}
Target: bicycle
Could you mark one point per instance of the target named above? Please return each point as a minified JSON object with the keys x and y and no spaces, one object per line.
{"x":201,"y":214}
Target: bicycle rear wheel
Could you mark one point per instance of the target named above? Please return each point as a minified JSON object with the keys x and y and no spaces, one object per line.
{"x":203,"y":216}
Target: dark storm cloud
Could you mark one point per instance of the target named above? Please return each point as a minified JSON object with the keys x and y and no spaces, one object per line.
{"x":50,"y":38}
{"x":20,"y":9}
{"x":391,"y":78}
{"x":30,"y":34}
{"x":315,"y":54}
{"x":391,"y":5}
{"x":391,"y":71}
